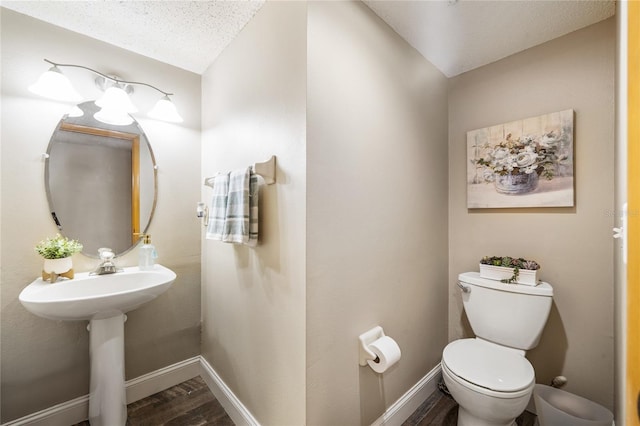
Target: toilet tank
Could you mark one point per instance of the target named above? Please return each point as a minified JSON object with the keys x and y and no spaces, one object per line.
{"x":511,"y":315}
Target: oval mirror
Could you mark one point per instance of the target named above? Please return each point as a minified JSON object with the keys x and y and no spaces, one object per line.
{"x":101,"y":181}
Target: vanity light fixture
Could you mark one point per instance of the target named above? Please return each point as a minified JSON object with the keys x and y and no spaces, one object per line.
{"x":115,"y":104}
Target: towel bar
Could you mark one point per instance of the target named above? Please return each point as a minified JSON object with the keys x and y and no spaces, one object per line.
{"x":266,"y":169}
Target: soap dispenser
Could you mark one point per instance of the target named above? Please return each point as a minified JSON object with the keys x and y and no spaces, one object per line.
{"x":147,"y":254}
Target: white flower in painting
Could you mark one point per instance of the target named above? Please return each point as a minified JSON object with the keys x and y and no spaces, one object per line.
{"x":548,"y":140}
{"x":500,"y":154}
{"x":528,"y":140}
{"x":525,"y":159}
{"x":512,"y":162}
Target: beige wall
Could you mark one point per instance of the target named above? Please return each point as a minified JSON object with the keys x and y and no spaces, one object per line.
{"x":573,"y":245}
{"x":47,"y":362}
{"x":253,"y":299}
{"x":376,"y":211}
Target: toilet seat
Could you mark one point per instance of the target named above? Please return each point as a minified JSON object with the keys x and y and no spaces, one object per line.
{"x":488,"y":365}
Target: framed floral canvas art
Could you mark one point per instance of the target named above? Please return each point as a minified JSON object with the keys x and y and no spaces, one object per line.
{"x":525,"y":163}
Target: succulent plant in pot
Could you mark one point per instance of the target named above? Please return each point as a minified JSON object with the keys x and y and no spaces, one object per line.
{"x":509,"y":269}
{"x":57,"y":252}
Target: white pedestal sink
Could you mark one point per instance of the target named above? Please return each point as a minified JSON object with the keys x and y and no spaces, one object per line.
{"x":103,"y":300}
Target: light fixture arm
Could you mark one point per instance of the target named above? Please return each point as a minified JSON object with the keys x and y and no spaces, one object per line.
{"x":115,"y":105}
{"x":111,"y":78}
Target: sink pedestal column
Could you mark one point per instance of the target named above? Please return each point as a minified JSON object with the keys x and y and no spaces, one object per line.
{"x":107,"y":398}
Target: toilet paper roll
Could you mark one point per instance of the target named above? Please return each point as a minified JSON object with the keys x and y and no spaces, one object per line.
{"x":387,"y":351}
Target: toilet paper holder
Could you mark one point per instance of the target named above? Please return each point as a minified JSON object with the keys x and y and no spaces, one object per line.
{"x":366,"y":339}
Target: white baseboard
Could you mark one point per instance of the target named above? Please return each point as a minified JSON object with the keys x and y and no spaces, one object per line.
{"x":164,"y":378}
{"x":77,"y":410}
{"x":240,"y":415}
{"x":402,"y":409}
{"x":64,"y":414}
{"x":394,"y":416}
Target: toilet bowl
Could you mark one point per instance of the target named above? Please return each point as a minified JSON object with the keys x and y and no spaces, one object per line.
{"x":492,"y":385}
{"x":489,"y":376}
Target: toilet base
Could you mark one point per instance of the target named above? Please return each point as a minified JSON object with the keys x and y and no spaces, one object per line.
{"x":467,"y":419}
{"x":477,"y":407}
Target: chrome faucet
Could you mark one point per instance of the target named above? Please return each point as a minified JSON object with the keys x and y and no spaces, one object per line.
{"x":107,"y":266}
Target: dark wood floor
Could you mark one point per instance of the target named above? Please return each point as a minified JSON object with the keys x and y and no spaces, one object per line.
{"x":191,"y":403}
{"x":441,"y":410}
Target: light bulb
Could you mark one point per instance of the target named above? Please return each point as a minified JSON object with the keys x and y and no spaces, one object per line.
{"x":165,"y":110}
{"x":115,"y":98}
{"x":54,"y":85}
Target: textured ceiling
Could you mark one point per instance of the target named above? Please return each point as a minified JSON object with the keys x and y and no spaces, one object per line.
{"x":186,"y":34}
{"x":456,"y":36}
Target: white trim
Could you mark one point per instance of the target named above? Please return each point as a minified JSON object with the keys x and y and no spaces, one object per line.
{"x":77,"y":410}
{"x":402,"y":409}
{"x":240,"y":415}
{"x":164,"y":378}
{"x":64,"y":414}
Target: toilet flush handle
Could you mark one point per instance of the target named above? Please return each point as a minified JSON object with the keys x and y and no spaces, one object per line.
{"x":464,"y":288}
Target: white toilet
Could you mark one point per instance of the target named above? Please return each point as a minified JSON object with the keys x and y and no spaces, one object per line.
{"x":488,"y":375}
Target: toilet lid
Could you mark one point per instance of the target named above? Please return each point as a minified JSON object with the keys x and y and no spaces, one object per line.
{"x":488,"y":365}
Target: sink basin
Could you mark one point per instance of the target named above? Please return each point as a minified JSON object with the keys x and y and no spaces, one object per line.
{"x":88,"y":297}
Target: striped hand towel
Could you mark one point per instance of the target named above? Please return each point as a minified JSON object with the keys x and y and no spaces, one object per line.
{"x":218,"y":212}
{"x":253,"y":210}
{"x":241,"y":222}
{"x":236,"y":225}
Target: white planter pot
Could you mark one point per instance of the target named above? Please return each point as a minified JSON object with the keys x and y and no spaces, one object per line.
{"x":57,"y":266}
{"x":525,"y":276}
